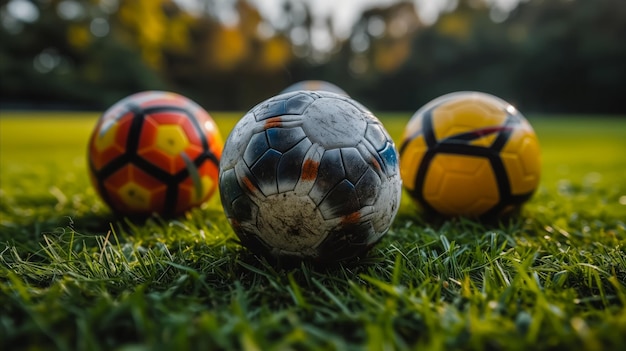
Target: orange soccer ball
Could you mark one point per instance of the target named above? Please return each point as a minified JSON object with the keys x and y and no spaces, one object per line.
{"x":154,"y":152}
{"x":469,"y":154}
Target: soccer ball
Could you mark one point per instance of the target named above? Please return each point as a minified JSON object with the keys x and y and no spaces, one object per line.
{"x":314,"y":85}
{"x":310,"y":175}
{"x":154,"y":152}
{"x":469,"y":154}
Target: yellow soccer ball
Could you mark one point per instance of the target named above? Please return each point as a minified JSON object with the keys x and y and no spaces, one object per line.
{"x":470,"y":154}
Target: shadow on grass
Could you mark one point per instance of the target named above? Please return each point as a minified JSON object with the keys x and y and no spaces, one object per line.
{"x":428,"y":218}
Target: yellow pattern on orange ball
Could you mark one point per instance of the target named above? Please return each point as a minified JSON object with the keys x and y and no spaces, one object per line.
{"x":135,"y":196}
{"x":154,"y":152}
{"x":171,"y":139}
{"x":105,"y":140}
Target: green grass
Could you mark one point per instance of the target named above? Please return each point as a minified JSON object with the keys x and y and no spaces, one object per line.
{"x":73,"y":277}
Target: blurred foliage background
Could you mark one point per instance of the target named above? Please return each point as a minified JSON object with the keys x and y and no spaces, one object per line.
{"x":548,"y":56}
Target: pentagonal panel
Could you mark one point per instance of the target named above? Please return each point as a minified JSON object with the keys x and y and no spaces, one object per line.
{"x":133,"y":191}
{"x":171,"y":139}
{"x":334,"y":123}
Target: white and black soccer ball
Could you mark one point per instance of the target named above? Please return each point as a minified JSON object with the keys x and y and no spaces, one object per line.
{"x":315,"y":85}
{"x":312,"y":175}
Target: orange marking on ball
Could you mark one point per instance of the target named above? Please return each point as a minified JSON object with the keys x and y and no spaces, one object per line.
{"x":352,"y":218}
{"x":273,"y":122}
{"x":309,"y":169}
{"x":248,"y":184}
{"x":376,"y":164}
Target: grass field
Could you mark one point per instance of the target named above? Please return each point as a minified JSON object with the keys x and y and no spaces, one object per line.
{"x":73,"y":277}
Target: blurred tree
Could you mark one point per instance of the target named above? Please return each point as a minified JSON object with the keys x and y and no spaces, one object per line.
{"x":384,"y":35}
{"x":573,"y":58}
{"x":231,"y":65}
{"x":378,"y":49}
{"x":558,"y":56}
{"x":549,"y":56}
{"x":461,"y":51}
{"x":66,"y":57}
{"x":145,"y":24}
{"x":90,"y":53}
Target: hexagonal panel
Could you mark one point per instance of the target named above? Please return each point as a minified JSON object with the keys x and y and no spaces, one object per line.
{"x":459,"y":184}
{"x":185,"y":121}
{"x":334,"y":123}
{"x":466,"y":115}
{"x":410,"y":160}
{"x":521,"y":158}
{"x":109,"y":140}
{"x":163,"y":141}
